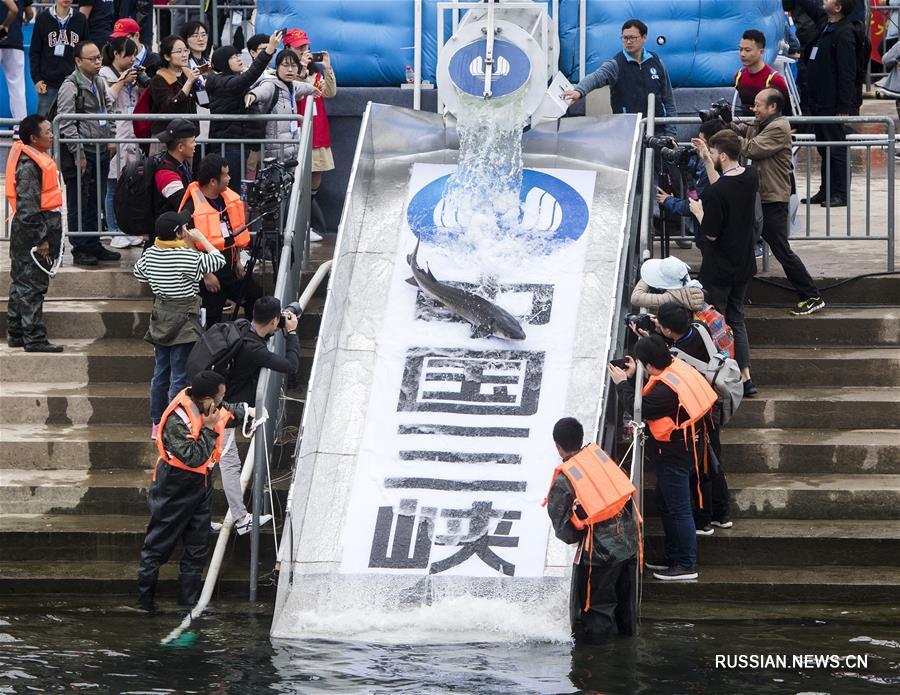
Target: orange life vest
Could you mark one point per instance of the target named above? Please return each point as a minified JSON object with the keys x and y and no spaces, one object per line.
{"x":602,"y":490}
{"x":51,"y":191}
{"x":209,"y":220}
{"x":695,"y":396}
{"x":184,"y":407}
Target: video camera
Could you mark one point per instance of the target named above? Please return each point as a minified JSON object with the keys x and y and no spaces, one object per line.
{"x":670,"y":152}
{"x":720,"y":109}
{"x":273,"y":183}
{"x":642,"y":322}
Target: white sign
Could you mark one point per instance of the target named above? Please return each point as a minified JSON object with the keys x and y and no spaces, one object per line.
{"x":457,"y":453}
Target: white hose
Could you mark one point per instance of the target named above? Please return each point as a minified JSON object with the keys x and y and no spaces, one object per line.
{"x":39,"y":261}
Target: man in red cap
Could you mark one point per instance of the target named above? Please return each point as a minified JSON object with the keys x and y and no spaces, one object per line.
{"x":145,"y":58}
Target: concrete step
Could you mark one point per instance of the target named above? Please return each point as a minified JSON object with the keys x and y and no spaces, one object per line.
{"x":94,"y":361}
{"x":834,"y":584}
{"x":101,"y":282}
{"x":87,"y":538}
{"x":864,"y":327}
{"x":769,"y":496}
{"x":107,"y":578}
{"x":64,"y":403}
{"x":113,"y":491}
{"x":822,"y":408}
{"x":110,"y":403}
{"x":93,"y":318}
{"x":809,"y":451}
{"x":793,"y":543}
{"x":883,"y":290}
{"x":815,"y":367}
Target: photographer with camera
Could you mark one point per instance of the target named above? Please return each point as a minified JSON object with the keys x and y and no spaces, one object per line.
{"x":146,"y":62}
{"x":697,"y":181}
{"x":632,"y":75}
{"x":726,"y":211}
{"x":767,"y":143}
{"x":218,"y":212}
{"x":243,"y":376}
{"x":227,"y":89}
{"x":121,"y":81}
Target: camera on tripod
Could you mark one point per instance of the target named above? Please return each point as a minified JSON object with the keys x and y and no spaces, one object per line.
{"x":273,"y":183}
{"x":670,"y":152}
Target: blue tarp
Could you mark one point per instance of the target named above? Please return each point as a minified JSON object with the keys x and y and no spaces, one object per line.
{"x":371,"y":41}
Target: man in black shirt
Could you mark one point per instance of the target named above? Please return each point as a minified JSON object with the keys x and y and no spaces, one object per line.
{"x":51,"y":57}
{"x":100,"y":18}
{"x":726,"y":211}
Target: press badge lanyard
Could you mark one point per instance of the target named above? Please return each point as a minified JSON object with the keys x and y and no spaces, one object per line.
{"x":59,"y":50}
{"x":200,"y":93}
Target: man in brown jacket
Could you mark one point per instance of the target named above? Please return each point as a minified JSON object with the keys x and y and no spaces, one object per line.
{"x":767,"y":142}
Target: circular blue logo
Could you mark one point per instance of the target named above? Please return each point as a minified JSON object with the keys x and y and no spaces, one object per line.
{"x":511,"y":68}
{"x":548,"y":204}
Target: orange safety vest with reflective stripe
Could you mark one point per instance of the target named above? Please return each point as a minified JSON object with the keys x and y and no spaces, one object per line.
{"x":601,"y":488}
{"x":184,"y":407}
{"x":51,"y":191}
{"x":695,"y":396}
{"x":209,"y":220}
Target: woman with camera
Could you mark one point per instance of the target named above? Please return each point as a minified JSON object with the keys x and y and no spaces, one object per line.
{"x":227,"y":89}
{"x":196,"y":37}
{"x":172,"y":87}
{"x":121,"y":81}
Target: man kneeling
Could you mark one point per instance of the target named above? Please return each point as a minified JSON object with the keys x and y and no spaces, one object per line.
{"x":189,"y":444}
{"x":586,"y":504}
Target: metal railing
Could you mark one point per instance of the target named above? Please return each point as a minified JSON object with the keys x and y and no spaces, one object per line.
{"x":97,"y":150}
{"x":206,"y":11}
{"x":865,"y":144}
{"x":294,"y":260}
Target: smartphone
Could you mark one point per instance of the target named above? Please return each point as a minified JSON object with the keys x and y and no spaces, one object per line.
{"x":318,"y":56}
{"x":621,"y":364}
{"x":205,"y":68}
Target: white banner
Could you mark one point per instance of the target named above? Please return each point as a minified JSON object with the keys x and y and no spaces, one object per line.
{"x":457,"y":453}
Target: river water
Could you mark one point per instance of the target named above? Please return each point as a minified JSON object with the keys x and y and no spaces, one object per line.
{"x":103,"y":647}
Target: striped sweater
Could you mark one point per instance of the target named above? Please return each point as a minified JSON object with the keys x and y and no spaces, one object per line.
{"x":174,"y":273}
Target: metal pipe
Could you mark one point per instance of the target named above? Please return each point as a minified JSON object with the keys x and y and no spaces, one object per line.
{"x":417,"y":55}
{"x":489,"y":51}
{"x":582,"y":39}
{"x":646,"y":242}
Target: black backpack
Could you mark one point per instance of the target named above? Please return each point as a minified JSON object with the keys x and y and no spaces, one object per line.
{"x":217,"y":348}
{"x":133,"y":200}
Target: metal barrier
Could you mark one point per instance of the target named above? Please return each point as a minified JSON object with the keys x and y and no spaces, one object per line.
{"x":865,"y":143}
{"x":100,"y":154}
{"x":190,"y":10}
{"x":294,"y":260}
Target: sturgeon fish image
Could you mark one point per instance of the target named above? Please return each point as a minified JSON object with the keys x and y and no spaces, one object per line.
{"x":482,"y":314}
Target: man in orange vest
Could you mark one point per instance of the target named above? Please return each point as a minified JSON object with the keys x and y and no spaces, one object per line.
{"x":35,"y":197}
{"x":676,"y":405}
{"x":584,"y":487}
{"x":189,"y":445}
{"x":218,"y":212}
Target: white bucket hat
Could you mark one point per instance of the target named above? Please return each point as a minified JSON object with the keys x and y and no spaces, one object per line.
{"x":669,"y":273}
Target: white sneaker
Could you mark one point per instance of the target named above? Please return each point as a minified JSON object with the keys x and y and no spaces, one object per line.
{"x":120,"y":242}
{"x":314,"y":235}
{"x":246,"y":524}
{"x":215,"y":526}
{"x":136,"y":240}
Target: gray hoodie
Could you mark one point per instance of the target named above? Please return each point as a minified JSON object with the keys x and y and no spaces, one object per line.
{"x":77,"y":94}
{"x":274,"y":96}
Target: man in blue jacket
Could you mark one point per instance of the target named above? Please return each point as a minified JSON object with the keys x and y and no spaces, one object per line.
{"x":632,"y":74}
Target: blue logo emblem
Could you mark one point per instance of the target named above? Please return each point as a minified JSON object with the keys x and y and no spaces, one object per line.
{"x":549,"y":204}
{"x":511,"y":68}
{"x":652,"y":70}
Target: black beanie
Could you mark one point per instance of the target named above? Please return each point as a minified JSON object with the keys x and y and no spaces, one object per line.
{"x":220,"y":58}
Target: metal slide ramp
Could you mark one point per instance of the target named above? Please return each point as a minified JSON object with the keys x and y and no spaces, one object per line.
{"x":426,"y":450}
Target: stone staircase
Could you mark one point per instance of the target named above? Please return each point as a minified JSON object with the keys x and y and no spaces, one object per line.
{"x":75,"y":454}
{"x":813,"y":461}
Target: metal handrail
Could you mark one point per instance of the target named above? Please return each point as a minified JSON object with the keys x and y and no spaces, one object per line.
{"x":294,"y":260}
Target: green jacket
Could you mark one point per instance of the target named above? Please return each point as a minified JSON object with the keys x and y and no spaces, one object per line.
{"x":31,"y":225}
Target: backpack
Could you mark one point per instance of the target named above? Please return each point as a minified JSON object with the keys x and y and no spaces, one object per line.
{"x":722,"y":373}
{"x":722,"y":335}
{"x":142,"y":128}
{"x":217,"y":348}
{"x":133,"y":199}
